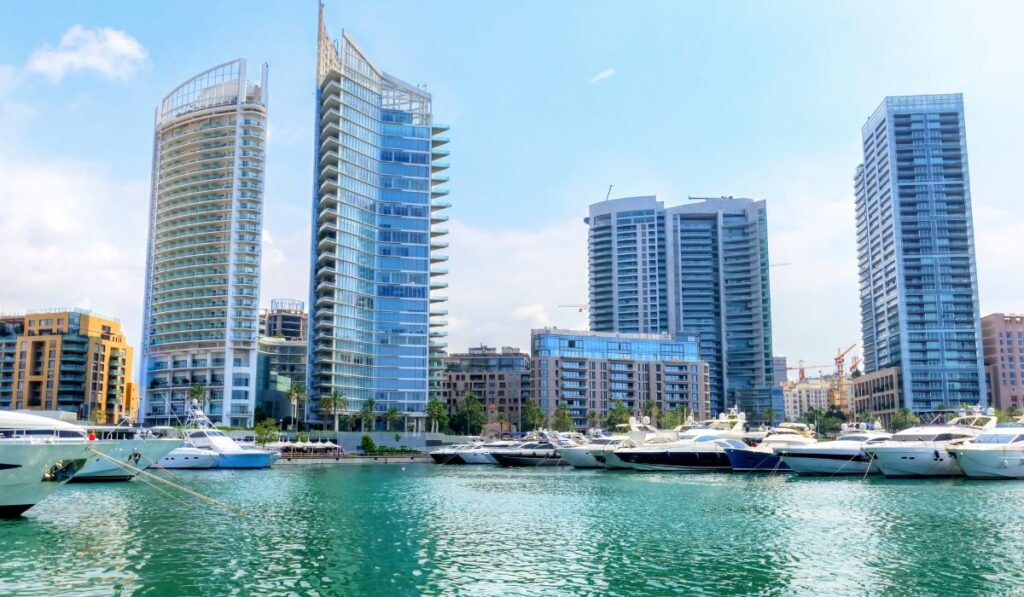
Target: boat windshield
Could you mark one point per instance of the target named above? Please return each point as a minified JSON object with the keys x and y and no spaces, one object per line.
{"x":731,"y":443}
{"x":854,"y":438}
{"x":929,"y":437}
{"x":706,"y":438}
{"x":999,"y":438}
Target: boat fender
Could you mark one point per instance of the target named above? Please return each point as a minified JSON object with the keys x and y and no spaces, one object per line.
{"x":935,"y":456}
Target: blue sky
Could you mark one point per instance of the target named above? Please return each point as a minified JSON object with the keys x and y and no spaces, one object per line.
{"x":753,"y":99}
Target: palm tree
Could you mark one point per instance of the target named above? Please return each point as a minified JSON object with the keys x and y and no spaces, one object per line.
{"x":197,"y":393}
{"x":769,"y":415}
{"x":297,"y":395}
{"x":367,"y":413}
{"x":392,"y":416}
{"x":438,"y":415}
{"x":332,"y":403}
{"x":502,"y":418}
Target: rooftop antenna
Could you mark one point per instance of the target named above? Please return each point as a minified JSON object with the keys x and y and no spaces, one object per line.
{"x":609,"y":193}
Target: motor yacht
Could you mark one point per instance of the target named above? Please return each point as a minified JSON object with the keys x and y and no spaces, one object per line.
{"x":187,"y":457}
{"x":200,"y":433}
{"x":594,"y":453}
{"x":994,"y":454}
{"x":37,"y":456}
{"x":135,"y":447}
{"x":450,"y":454}
{"x":480,"y":453}
{"x":639,"y":432}
{"x":921,"y":450}
{"x":842,"y":456}
{"x":763,"y":456}
{"x":701,"y":448}
{"x":544,"y":452}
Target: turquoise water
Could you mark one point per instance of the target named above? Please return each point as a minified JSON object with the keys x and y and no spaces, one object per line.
{"x":479,"y":530}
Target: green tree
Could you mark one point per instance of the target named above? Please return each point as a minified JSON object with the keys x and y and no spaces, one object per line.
{"x":670,"y":419}
{"x":903,"y":419}
{"x":266,"y":431}
{"x":367,"y":414}
{"x":618,"y":415}
{"x":532,"y":415}
{"x":769,"y":415}
{"x":650,"y":409}
{"x":472,"y":414}
{"x":825,"y":423}
{"x":594,"y":419}
{"x":392,"y":416}
{"x":502,"y":419}
{"x":368,"y":445}
{"x":333,"y":403}
{"x":437,"y":414}
{"x":563,"y":418}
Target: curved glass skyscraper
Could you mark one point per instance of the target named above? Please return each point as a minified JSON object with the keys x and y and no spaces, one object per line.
{"x":203,"y":259}
{"x":376,"y":212}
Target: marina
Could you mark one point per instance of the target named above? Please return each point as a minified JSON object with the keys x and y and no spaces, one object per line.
{"x":424,"y":528}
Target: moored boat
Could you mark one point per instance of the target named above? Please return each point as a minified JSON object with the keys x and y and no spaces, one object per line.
{"x":764,"y":456}
{"x":136,"y":448}
{"x":37,"y":456}
{"x":542,"y":453}
{"x":994,"y":454}
{"x":701,"y":448}
{"x":842,"y":456}
{"x":921,"y":451}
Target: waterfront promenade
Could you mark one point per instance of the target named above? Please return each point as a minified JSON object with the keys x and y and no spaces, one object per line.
{"x":425,"y":529}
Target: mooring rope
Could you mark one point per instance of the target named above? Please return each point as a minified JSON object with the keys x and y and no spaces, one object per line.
{"x":181,"y":488}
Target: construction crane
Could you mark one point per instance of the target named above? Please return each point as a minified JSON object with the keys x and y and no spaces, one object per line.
{"x":579,"y":308}
{"x":838,"y":394}
{"x":801,"y":367}
{"x":609,"y":193}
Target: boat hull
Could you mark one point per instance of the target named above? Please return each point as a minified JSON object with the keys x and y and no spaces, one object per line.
{"x":29,"y":473}
{"x":611,"y":461}
{"x":755,"y":461}
{"x":476,"y":457}
{"x":188,"y":459}
{"x":675,"y":460}
{"x":447,"y":458}
{"x":914,"y":461}
{"x":517,"y":460}
{"x":582,"y":457}
{"x":245,"y":459}
{"x":136,"y":453}
{"x":990,"y":464}
{"x":830,"y":463}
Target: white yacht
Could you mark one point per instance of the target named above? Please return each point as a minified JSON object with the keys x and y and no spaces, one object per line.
{"x":764,"y":455}
{"x":135,"y":447}
{"x":38,"y":455}
{"x":450,"y":454}
{"x":994,"y":454}
{"x":594,"y":453}
{"x":921,"y":451}
{"x":701,"y":448}
{"x":641,"y":432}
{"x":229,"y":453}
{"x":842,"y":456}
{"x":480,"y":453}
{"x":188,"y":456}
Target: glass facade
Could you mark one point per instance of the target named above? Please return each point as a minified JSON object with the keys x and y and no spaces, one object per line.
{"x":634,"y":347}
{"x":915,"y":244}
{"x":205,"y":233}
{"x":376,"y":217}
{"x":699,"y":268}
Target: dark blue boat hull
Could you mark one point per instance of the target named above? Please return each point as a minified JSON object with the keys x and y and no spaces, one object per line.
{"x":750,"y":461}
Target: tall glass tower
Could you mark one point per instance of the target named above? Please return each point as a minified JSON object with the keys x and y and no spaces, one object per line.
{"x":377,"y":206}
{"x":696,"y":268}
{"x":915,"y":245}
{"x":203,"y":257}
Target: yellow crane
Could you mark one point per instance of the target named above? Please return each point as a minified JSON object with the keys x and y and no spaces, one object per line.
{"x":838,"y":395}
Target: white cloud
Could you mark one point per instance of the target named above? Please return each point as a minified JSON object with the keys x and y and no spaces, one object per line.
{"x":111,"y":52}
{"x":601,"y":76}
{"x":72,"y":238}
{"x":504,"y":282}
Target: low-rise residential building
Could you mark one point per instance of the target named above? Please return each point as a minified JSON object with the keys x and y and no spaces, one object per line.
{"x":879,"y":392}
{"x":807,"y":394}
{"x":500,"y":379}
{"x":1003,"y":345}
{"x":590,"y":371}
{"x":69,"y":360}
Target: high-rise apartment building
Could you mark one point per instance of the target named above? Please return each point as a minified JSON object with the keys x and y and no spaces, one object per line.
{"x":203,"y":263}
{"x":500,"y":379}
{"x":69,"y":360}
{"x":286,"y":318}
{"x":1003,"y":344}
{"x":915,"y":248}
{"x":590,"y":371}
{"x":377,"y":230}
{"x":699,"y":268}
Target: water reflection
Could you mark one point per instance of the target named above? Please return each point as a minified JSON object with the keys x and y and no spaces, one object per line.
{"x":422,"y":528}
